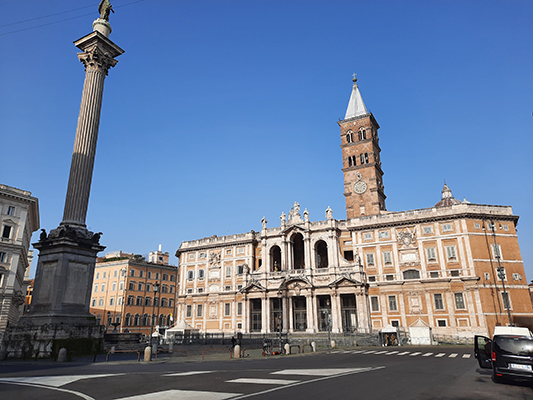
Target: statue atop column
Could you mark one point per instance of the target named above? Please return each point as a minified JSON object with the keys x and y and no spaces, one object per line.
{"x":104,"y":9}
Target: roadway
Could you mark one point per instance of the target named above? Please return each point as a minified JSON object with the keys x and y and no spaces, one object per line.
{"x":443,"y":372}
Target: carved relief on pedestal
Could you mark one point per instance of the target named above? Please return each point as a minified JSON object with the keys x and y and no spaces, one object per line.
{"x":415,"y":302}
{"x":213,"y":312}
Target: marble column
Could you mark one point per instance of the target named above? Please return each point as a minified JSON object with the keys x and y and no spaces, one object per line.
{"x":67,"y":256}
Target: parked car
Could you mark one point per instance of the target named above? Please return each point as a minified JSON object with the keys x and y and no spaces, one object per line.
{"x":509,"y":353}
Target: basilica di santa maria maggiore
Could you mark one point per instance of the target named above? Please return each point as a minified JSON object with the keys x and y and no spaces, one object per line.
{"x":440,"y":267}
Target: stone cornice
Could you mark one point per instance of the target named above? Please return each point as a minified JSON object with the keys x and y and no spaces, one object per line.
{"x":368,"y":115}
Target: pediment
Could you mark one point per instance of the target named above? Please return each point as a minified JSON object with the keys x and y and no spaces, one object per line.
{"x":253,"y":286}
{"x":293,"y":229}
{"x":344,"y":281}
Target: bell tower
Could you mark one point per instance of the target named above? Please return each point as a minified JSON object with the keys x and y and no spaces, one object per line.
{"x":363,"y":177}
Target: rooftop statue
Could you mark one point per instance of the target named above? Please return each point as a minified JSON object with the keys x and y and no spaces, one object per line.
{"x":104,"y":9}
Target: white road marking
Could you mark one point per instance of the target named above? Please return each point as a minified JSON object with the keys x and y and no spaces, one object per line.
{"x":453,"y":355}
{"x":370,"y":352}
{"x":391,"y":353}
{"x":466,"y":355}
{"x":182,"y":395}
{"x":427,"y":354}
{"x":335,"y":351}
{"x":263,"y":381}
{"x":55,"y":381}
{"x":403,"y":353}
{"x":188,"y":373}
{"x":440,"y":355}
{"x":317,"y":372}
{"x":415,"y":354}
{"x":356,"y":351}
{"x":346,"y":352}
{"x":381,"y":352}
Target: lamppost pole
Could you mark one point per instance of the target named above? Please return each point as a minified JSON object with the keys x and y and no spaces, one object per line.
{"x":501,"y":274}
{"x":156,"y":288}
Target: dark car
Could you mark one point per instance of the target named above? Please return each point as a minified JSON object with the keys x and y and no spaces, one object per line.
{"x":509,"y":356}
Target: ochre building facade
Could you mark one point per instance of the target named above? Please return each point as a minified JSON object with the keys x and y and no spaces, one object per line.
{"x":439,"y":266}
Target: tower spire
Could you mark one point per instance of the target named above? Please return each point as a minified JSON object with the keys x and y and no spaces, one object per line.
{"x":356,"y":106}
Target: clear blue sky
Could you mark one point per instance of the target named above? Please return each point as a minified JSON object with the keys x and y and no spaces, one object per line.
{"x":222,"y":112}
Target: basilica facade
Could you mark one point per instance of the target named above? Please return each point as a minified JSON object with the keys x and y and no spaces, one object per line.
{"x":444,"y":267}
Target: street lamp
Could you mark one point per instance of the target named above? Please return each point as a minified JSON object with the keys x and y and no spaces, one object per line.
{"x":501,"y":272}
{"x":155,"y":289}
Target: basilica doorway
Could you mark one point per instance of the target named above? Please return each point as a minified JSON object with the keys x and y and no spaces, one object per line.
{"x":299,"y":311}
{"x":276,"y":315}
{"x":324,"y":313}
{"x":255,"y":315}
{"x":349,"y":313}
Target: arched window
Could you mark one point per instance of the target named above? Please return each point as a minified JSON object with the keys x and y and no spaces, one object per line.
{"x":127,"y":321}
{"x":298,"y":251}
{"x":136,"y":320}
{"x":411,"y":274}
{"x":146,"y":320}
{"x":362,"y":134}
{"x":321,"y":249}
{"x":349,"y":137}
{"x":275,"y":258}
{"x":366,"y":158}
{"x":161,"y":320}
{"x":350,"y":164}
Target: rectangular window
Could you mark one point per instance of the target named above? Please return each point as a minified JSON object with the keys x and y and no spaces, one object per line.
{"x":157,"y":275}
{"x":190,"y":275}
{"x":487,"y":276}
{"x":431,"y":254}
{"x":105,"y":275}
{"x":189,"y":311}
{"x":517,"y":277}
{"x":459,"y":301}
{"x":389,"y":277}
{"x":93,"y":303}
{"x":121,"y":286}
{"x":199,"y":310}
{"x":239,"y":308}
{"x":367,"y":236}
{"x":447,"y":227}
{"x":240,"y":269}
{"x":132,"y":272}
{"x":112,"y":301}
{"x":132,"y":285}
{"x":200,"y":290}
{"x":370,"y":261}
{"x":201,"y":274}
{"x":387,"y":257}
{"x":98,"y":275}
{"x":3,"y":256}
{"x":11,"y":210}
{"x":141,"y":274}
{"x":434,"y":274}
{"x":227,"y":288}
{"x":392,"y":303}
{"x":149,"y":274}
{"x":202,"y":256}
{"x":191,"y":256}
{"x":114,"y":286}
{"x":6,"y":232}
{"x":189,"y":291}
{"x":395,"y":323}
{"x":506,"y":227}
{"x":441,"y":322}
{"x":96,"y":288}
{"x":140,"y":286}
{"x":348,"y":255}
{"x":130,"y":300}
{"x":374,"y":303}
{"x":165,"y":277}
{"x":240,"y":250}
{"x":115,"y":273}
{"x":506,"y":301}
{"x":228,"y":271}
{"x":455,"y":272}
{"x":439,"y":304}
{"x":371,"y":278}
{"x":227,"y":309}
{"x":496,"y":251}
{"x":228,"y":252}
{"x":477,"y":226}
{"x":384,"y":235}
{"x":120,"y":300}
{"x":103,"y":287}
{"x":451,"y":253}
{"x":427,"y":230}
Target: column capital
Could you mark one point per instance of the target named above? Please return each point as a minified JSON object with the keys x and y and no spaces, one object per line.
{"x":98,"y":52}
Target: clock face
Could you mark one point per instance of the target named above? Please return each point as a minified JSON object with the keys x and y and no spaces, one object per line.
{"x":359,"y":187}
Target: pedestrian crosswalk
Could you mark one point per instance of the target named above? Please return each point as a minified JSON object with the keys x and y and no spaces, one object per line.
{"x":269,"y":381}
{"x":403,"y":353}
